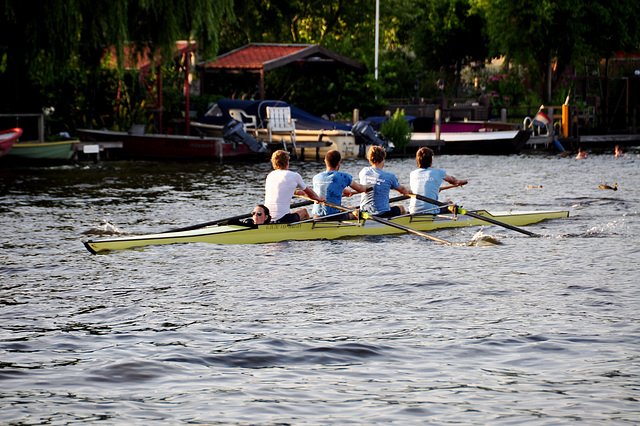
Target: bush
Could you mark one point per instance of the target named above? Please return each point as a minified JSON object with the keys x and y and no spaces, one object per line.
{"x":397,"y":130}
{"x":506,"y":89}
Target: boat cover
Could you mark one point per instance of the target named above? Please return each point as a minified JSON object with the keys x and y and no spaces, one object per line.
{"x":218,"y":114}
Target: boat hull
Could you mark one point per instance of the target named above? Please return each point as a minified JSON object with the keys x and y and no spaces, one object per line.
{"x":43,"y":151}
{"x":168,"y":147}
{"x":271,"y":233}
{"x":8,"y":138}
{"x":502,"y":142}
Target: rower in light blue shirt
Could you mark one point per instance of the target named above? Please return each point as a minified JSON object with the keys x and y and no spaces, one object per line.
{"x":376,"y":202}
{"x":426,"y":181}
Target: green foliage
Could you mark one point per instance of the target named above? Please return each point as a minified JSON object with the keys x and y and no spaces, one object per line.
{"x":129,"y":111}
{"x":534,"y":32}
{"x":52,"y":58}
{"x":346,"y":28}
{"x":397,"y":130}
{"x":127,"y":114}
{"x":323,"y":91}
{"x":399,"y":71}
{"x":201,"y":103}
{"x":359,"y":91}
{"x":505,"y":89}
{"x":449,"y":35}
{"x":81,"y":99}
{"x":335,"y":24}
{"x":39,"y":47}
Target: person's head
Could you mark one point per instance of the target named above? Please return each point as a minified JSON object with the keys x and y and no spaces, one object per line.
{"x":424,"y":157}
{"x":280,"y":160}
{"x":261,"y":214}
{"x":376,"y":154}
{"x":332,"y":159}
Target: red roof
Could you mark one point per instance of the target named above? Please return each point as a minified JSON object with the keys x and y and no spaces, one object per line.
{"x":257,"y":57}
{"x":253,"y":56}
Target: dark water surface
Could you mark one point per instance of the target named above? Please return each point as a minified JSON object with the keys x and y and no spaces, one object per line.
{"x":369,"y":330}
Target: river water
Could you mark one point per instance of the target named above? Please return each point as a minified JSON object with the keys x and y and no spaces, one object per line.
{"x":393,"y":329}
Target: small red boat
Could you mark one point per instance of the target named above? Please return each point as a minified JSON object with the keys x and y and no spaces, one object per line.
{"x":8,"y":138}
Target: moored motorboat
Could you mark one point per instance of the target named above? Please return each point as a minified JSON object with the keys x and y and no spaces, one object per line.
{"x":502,"y":142}
{"x":7,"y":139}
{"x":43,"y":151}
{"x":314,"y":230}
{"x":313,"y":136}
{"x":168,"y":147}
{"x":253,"y":114}
{"x":465,"y":137}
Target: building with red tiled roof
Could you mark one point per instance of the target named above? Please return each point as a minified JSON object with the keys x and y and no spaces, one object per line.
{"x":258,"y":58}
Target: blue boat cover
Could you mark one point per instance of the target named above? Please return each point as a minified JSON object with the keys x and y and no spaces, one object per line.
{"x":219,"y":115}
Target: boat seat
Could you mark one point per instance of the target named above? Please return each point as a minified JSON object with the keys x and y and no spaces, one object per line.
{"x":249,"y":122}
{"x":279,"y":121}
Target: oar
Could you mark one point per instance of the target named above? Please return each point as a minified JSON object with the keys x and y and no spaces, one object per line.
{"x":474,"y":215}
{"x":442,"y":188}
{"x":365,"y":215}
{"x":219,"y":221}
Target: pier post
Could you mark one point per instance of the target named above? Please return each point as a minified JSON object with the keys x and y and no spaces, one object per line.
{"x":41,"y":134}
{"x":565,"y":120}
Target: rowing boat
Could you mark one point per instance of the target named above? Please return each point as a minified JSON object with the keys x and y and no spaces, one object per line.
{"x":314,"y":230}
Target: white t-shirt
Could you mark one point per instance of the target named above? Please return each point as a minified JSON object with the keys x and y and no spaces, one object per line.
{"x":279,"y":188}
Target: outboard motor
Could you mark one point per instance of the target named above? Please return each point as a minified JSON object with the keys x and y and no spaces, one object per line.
{"x":365,"y":135}
{"x":234,"y":133}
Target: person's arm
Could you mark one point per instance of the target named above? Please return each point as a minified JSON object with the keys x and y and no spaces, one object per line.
{"x":404,"y":191}
{"x":454,"y":181}
{"x":312,"y":194}
{"x":358,"y":189}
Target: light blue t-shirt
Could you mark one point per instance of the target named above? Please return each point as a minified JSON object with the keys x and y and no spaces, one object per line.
{"x":425,"y":182}
{"x":330,"y":186}
{"x":377,"y":201}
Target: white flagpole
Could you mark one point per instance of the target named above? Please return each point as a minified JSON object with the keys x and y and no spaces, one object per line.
{"x":377,"y":37}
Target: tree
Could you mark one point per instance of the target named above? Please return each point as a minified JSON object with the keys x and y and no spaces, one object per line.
{"x":534,"y":33}
{"x":345,"y":27}
{"x":39,"y":45}
{"x":448,"y":36}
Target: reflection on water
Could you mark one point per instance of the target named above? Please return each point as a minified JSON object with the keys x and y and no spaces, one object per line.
{"x":364,"y":330}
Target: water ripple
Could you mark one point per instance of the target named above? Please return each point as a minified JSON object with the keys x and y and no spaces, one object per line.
{"x":365,"y":330}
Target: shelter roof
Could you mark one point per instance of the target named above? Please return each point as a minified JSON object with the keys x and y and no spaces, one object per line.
{"x":257,"y":57}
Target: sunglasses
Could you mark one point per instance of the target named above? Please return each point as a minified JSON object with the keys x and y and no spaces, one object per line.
{"x":256,"y":214}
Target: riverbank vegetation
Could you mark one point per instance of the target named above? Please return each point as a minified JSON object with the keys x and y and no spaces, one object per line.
{"x":513,"y":51}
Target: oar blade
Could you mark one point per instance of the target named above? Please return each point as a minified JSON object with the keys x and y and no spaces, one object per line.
{"x":476,"y":216}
